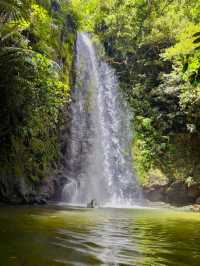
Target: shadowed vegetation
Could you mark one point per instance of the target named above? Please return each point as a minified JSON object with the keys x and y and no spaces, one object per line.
{"x":154,"y":46}
{"x":36,"y":56}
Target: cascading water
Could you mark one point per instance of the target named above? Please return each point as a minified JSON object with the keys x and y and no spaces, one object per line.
{"x":98,"y":165}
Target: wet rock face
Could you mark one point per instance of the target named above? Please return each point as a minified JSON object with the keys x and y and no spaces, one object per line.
{"x":15,"y":190}
{"x":11,"y":190}
{"x":154,"y":193}
{"x":194,"y":191}
{"x":177,"y":193}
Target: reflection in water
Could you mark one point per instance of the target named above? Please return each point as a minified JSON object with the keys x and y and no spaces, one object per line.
{"x":142,"y":237}
{"x":106,"y":241}
{"x":113,"y":238}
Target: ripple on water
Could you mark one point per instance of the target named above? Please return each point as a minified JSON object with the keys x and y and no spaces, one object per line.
{"x":43,"y":237}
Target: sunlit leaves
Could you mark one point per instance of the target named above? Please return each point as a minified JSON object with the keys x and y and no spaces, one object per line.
{"x":155,"y":47}
{"x":35,"y":61}
{"x":87,"y":11}
{"x":185,"y":42}
{"x":14,"y":10}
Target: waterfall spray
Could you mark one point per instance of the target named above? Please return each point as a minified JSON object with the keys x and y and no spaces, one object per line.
{"x":99,"y":164}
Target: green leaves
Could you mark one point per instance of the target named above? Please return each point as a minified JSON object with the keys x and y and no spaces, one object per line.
{"x":35,"y":61}
{"x":87,"y":12}
{"x":14,"y":10}
{"x":155,"y":48}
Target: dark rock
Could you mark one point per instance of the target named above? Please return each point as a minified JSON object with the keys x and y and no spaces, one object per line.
{"x":55,"y":6}
{"x":154,"y":193}
{"x":40,"y":200}
{"x":194,"y":190}
{"x":19,"y":191}
{"x":177,"y":194}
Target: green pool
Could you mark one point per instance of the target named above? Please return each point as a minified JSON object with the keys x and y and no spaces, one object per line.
{"x":58,"y":236}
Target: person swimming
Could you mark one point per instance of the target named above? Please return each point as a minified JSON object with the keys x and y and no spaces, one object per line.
{"x":92,"y":204}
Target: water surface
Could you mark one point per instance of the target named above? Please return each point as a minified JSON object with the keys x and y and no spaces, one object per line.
{"x":57,"y":236}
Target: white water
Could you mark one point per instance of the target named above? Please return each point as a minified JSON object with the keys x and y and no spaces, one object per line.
{"x":98,"y":164}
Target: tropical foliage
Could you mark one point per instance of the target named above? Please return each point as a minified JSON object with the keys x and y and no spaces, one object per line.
{"x":154,"y":46}
{"x":36,"y":56}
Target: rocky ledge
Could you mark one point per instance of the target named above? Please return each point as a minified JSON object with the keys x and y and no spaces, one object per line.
{"x":19,"y":191}
{"x":177,"y":193}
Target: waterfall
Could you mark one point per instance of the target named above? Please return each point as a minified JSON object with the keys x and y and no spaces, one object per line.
{"x":99,"y":163}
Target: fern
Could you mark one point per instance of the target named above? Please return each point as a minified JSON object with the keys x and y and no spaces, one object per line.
{"x":197,"y":40}
{"x":14,"y":9}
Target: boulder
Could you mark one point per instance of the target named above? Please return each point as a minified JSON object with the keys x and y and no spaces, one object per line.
{"x":194,"y":191}
{"x":18,"y":190}
{"x":155,"y":192}
{"x":177,"y":194}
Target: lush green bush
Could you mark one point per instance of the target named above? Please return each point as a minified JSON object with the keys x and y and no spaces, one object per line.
{"x":36,"y":57}
{"x":154,"y":46}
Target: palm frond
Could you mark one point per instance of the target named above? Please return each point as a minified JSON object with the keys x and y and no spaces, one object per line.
{"x":197,"y":40}
{"x":14,"y":9}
